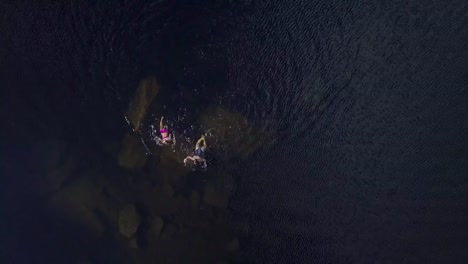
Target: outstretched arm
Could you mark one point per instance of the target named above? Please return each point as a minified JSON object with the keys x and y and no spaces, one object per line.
{"x":161,"y":123}
{"x":199,"y":142}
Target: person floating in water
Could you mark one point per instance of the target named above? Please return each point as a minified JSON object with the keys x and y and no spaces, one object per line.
{"x":166,"y":137}
{"x":199,"y":156}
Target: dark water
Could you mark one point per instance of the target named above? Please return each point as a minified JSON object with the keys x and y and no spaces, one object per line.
{"x":347,"y":122}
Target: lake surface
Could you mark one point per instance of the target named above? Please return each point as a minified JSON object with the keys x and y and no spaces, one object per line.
{"x":337,"y":131}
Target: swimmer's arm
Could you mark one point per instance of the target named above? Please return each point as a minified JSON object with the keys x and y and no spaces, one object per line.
{"x":161,"y":123}
{"x":202,"y":139}
{"x":197,"y":145}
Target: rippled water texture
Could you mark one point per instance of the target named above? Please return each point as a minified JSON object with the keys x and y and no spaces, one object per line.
{"x":366,"y":111}
{"x":343,"y":123}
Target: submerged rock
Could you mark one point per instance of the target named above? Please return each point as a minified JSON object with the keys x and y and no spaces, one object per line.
{"x":233,"y":245}
{"x":218,"y":191}
{"x":168,"y":190}
{"x":132,"y":154}
{"x":55,"y":177}
{"x":147,"y":91}
{"x":51,"y":166}
{"x":129,"y":220}
{"x":194,"y":200}
{"x":80,"y":200}
{"x":157,"y":224}
{"x":214,"y":197}
{"x":169,"y":231}
{"x":133,"y":243}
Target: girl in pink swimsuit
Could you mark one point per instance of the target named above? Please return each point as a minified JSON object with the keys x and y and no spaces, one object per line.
{"x":165,"y":136}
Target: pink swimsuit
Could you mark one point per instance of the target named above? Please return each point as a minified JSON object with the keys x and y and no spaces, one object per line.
{"x":164,"y":131}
